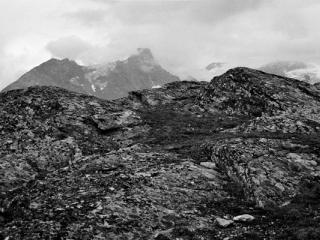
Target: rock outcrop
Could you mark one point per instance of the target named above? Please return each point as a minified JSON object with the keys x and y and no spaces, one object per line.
{"x":236,"y":158}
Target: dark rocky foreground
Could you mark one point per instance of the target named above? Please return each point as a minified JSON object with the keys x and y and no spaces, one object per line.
{"x":179,"y":162}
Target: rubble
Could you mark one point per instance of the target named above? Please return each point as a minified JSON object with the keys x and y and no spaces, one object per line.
{"x":163,"y":163}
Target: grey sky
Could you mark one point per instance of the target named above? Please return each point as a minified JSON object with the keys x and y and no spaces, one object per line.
{"x":185,"y":36}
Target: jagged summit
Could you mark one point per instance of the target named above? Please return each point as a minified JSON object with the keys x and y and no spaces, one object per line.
{"x":56,"y":60}
{"x":108,"y":81}
{"x":143,"y":59}
{"x":145,"y":53}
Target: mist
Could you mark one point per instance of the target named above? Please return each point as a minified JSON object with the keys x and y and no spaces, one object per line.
{"x":184,"y":36}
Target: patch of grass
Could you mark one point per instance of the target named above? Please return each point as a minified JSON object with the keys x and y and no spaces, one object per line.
{"x":169,"y":126}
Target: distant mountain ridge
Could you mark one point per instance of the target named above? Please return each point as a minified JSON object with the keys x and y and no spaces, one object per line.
{"x":294,"y":69}
{"x":107,"y":81}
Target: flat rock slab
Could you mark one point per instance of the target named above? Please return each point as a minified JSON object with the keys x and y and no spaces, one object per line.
{"x":223,"y":222}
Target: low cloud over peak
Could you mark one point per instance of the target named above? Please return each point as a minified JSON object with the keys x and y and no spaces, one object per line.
{"x":68,"y":47}
{"x":185,"y":36}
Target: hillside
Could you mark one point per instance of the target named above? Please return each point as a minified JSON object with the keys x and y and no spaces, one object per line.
{"x":183,"y":161}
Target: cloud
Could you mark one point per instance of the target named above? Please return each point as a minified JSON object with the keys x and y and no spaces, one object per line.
{"x":68,"y":47}
{"x":184,"y":35}
{"x":167,"y":27}
{"x":201,"y":11}
{"x":210,"y":12}
{"x":88,"y":16}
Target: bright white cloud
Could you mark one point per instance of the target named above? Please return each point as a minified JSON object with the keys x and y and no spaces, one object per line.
{"x":184,"y":35}
{"x":68,"y":47}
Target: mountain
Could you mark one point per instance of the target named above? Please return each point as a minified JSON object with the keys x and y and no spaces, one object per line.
{"x":216,"y":68}
{"x":108,"y":81}
{"x":215,"y":65}
{"x":234,"y":158}
{"x":61,"y":73}
{"x":299,"y":70}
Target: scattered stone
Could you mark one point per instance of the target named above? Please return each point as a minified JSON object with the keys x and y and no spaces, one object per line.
{"x":34,"y":205}
{"x":208,"y":165}
{"x":223,"y":222}
{"x":244,"y":218}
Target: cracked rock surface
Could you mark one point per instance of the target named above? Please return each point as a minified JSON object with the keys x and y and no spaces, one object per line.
{"x":178,"y":162}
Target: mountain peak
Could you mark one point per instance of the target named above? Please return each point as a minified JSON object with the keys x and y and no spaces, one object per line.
{"x":239,"y":72}
{"x":145,"y":53}
{"x":59,"y":61}
{"x":214,"y":65}
{"x":143,"y":60}
{"x":114,"y":80}
{"x":143,"y":56}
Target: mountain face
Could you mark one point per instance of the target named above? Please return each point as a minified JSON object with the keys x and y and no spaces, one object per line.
{"x":109,"y":81}
{"x":298,"y":70}
{"x":236,"y":158}
{"x":214,"y":65}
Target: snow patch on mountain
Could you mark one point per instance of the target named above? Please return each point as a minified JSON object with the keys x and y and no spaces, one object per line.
{"x":310,"y":74}
{"x":307,"y":72}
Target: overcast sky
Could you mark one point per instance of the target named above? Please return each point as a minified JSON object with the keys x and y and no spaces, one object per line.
{"x":184,"y":35}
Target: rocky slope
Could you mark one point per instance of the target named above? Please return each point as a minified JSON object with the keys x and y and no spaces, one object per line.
{"x":236,"y":158}
{"x":106,"y":81}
